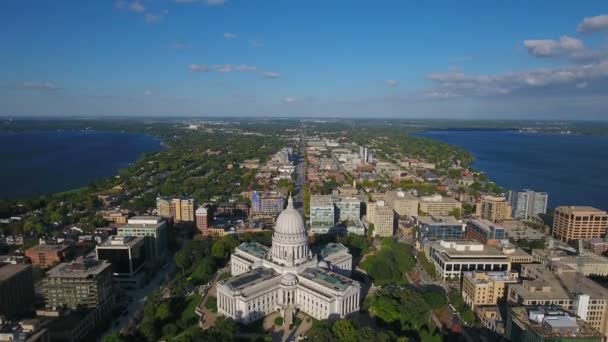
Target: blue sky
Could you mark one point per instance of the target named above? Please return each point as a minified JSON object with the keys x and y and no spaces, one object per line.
{"x":405,"y":59}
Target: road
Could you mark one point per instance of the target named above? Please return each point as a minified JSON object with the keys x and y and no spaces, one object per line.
{"x":138,"y":297}
{"x":300,"y":181}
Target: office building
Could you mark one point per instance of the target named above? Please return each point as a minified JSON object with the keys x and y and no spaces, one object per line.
{"x":46,"y":256}
{"x":527,"y":204}
{"x":382,"y":217}
{"x":16,"y":289}
{"x":365,"y":154}
{"x":575,"y":222}
{"x":83,"y":283}
{"x":180,"y":209}
{"x":558,"y":287}
{"x":438,"y":205}
{"x":485,"y":287}
{"x":439,"y":228}
{"x":485,"y":232}
{"x":347,"y":208}
{"x":127,"y":256}
{"x":548,"y":323}
{"x":493,"y":208}
{"x":322,"y":212}
{"x":288,"y":275}
{"x":116,"y":216}
{"x":202,"y":220}
{"x":451,"y":258}
{"x":404,"y":204}
{"x":597,"y":245}
{"x":154,"y":231}
{"x":266,"y":203}
{"x":591,"y":264}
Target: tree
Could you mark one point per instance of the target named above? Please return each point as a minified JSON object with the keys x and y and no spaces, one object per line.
{"x":113,"y":337}
{"x":456,"y":212}
{"x":223,"y":246}
{"x":344,"y":331}
{"x":182,"y":259}
{"x":163,"y":311}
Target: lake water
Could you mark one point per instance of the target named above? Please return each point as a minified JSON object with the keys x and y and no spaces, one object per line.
{"x":37,"y":163}
{"x":573,"y":169}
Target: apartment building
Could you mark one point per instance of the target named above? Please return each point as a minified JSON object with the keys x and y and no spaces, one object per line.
{"x":45,"y":256}
{"x":485,"y":288}
{"x":527,"y":204}
{"x":382,"y":217}
{"x":322,"y":212}
{"x":181,"y":209}
{"x":202,"y":220}
{"x":438,"y":205}
{"x":493,"y":208}
{"x":579,"y":222}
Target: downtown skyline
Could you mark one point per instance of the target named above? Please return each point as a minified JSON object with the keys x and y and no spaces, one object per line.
{"x":474,"y":60}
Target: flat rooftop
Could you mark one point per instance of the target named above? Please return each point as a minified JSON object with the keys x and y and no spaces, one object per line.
{"x":327,"y":278}
{"x":121,"y":241}
{"x":79,"y":268}
{"x":254,"y":248}
{"x":48,"y":248}
{"x":8,"y":270}
{"x":496,"y":276}
{"x":556,"y":323}
{"x":573,"y":209}
{"x":332,"y":248}
{"x":322,"y":200}
{"x":245,"y":280}
{"x":438,"y":220}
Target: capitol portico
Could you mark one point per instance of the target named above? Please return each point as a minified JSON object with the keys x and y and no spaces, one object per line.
{"x":288,"y":277}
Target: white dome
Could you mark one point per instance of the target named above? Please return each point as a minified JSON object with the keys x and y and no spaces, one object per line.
{"x":290,"y":221}
{"x":289,"y":279}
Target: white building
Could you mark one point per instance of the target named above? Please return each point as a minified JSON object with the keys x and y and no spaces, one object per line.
{"x":288,"y":277}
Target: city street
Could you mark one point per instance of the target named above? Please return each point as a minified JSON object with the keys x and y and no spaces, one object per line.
{"x":137,"y":298}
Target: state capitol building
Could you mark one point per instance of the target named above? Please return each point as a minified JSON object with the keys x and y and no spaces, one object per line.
{"x":288,"y":277}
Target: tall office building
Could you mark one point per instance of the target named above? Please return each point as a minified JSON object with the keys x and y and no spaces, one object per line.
{"x":181,"y":209}
{"x":574,"y":223}
{"x":527,"y":204}
{"x":270,"y":203}
{"x":154,"y":231}
{"x":16,"y":289}
{"x":493,"y":208}
{"x":127,"y":256}
{"x":202,"y":220}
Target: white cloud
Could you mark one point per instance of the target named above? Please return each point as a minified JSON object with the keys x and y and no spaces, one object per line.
{"x":136,"y":6}
{"x":198,"y":68}
{"x":550,"y":47}
{"x":38,"y":86}
{"x":289,"y":99}
{"x":215,"y":2}
{"x":593,"y":24}
{"x":208,"y":2}
{"x":228,"y":35}
{"x":256,"y":43}
{"x":459,"y":83}
{"x":271,"y":74}
{"x":179,"y":45}
{"x":155,"y":18}
{"x":392,"y":83}
{"x":222,"y":68}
